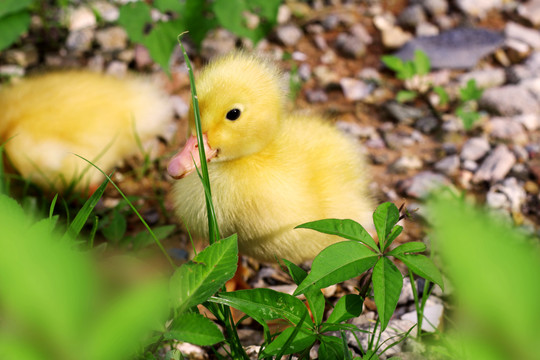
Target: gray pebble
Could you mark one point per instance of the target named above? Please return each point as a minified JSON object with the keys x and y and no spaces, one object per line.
{"x":316,"y":96}
{"x":217,"y":42}
{"x":350,"y":46}
{"x":403,"y":113}
{"x":519,"y":32}
{"x":474,"y":149}
{"x":422,"y":184}
{"x":485,"y":78}
{"x":405,"y":163}
{"x":289,"y":35}
{"x":412,"y":16}
{"x":530,"y":10}
{"x":512,"y":190}
{"x":330,"y":21}
{"x":506,"y":129}
{"x":478,"y":8}
{"x":80,"y":40}
{"x":107,"y":11}
{"x":355,"y":89}
{"x":448,"y":165}
{"x":496,"y":165}
{"x":427,"y":124}
{"x":509,"y":100}
{"x":470,"y":165}
{"x":81,"y":18}
{"x":426,"y":29}
{"x":112,"y":39}
{"x":304,"y":71}
{"x":435,"y":7}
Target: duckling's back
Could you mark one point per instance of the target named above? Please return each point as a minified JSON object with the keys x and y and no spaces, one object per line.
{"x":48,"y":118}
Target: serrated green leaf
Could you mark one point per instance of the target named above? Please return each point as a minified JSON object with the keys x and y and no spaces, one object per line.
{"x":470,"y":91}
{"x":414,"y":247}
{"x":264,"y":305}
{"x":12,"y":26}
{"x":134,"y":17}
{"x":197,"y":280}
{"x":314,"y":297}
{"x":423,"y":266}
{"x":346,"y":228}
{"x":347,"y":307}
{"x":396,"y":231}
{"x":336,"y":263}
{"x":194,"y":329}
{"x":331,"y":348}
{"x":387,"y":284}
{"x":385,"y":218}
{"x":13,"y":6}
{"x":404,"y":96}
{"x":421,"y":62}
{"x":302,"y":341}
{"x":393,"y":63}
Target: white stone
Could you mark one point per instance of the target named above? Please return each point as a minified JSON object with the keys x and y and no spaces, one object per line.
{"x":354,"y":89}
{"x":519,"y":32}
{"x":433,"y":313}
{"x":81,"y":18}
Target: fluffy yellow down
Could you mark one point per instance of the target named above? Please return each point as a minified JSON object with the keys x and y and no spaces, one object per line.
{"x":274,"y":170}
{"x":46,"y":119}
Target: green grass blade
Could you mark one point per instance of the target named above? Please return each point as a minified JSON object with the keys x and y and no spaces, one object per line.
{"x":76,"y":226}
{"x":212,"y":220}
{"x":158,"y":243}
{"x":53,"y":204}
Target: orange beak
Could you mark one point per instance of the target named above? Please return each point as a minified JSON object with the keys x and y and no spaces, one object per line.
{"x":187,"y":160}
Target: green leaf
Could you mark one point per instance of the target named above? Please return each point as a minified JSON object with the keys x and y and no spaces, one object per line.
{"x":144,"y":238}
{"x":301,"y":341}
{"x":331,"y":348}
{"x":443,"y":95}
{"x":161,"y":42}
{"x":265,"y":304}
{"x":120,"y":328}
{"x":385,"y":218}
{"x":12,"y":26}
{"x":423,"y":266}
{"x":195,"y":281}
{"x":486,"y":258}
{"x":314,"y":297}
{"x":195,"y":329}
{"x":13,"y":6}
{"x":267,"y":9}
{"x":393,"y":63}
{"x":347,"y":307}
{"x":396,"y":231}
{"x":387,"y":284}
{"x":410,"y":247}
{"x":134,"y":17}
{"x":404,"y":96}
{"x":348,"y":229}
{"x":421,"y":62}
{"x":468,"y":117}
{"x":115,"y":229}
{"x":336,"y":263}
{"x":408,"y":71}
{"x":164,"y":6}
{"x":470,"y":91}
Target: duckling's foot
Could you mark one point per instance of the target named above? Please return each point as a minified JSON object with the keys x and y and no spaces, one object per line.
{"x":238,"y":282}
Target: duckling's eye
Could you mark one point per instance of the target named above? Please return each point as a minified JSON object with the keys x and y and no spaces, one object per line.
{"x":233,"y":114}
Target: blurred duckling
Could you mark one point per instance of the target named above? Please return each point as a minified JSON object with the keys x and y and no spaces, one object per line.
{"x":46,"y":119}
{"x":269,"y":170}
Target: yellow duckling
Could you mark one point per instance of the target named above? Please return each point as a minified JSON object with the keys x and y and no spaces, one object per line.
{"x":269,"y":171}
{"x":47,"y":119}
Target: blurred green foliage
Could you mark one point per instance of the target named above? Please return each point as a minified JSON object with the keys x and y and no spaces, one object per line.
{"x":197,"y":17}
{"x":495,"y":271}
{"x":14,"y":20}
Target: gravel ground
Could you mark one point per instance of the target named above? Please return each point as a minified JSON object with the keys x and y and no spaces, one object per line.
{"x":335,"y":48}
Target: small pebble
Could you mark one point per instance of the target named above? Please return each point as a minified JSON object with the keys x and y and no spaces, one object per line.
{"x":519,"y":32}
{"x":509,"y":100}
{"x":354,"y":89}
{"x":112,"y":39}
{"x":496,"y":165}
{"x":406,"y":163}
{"x":422,"y":184}
{"x":475,"y":148}
{"x":448,"y":165}
{"x":289,"y":35}
{"x":412,"y":16}
{"x":316,"y":96}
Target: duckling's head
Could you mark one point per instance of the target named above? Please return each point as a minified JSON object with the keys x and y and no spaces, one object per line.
{"x":241,"y":100}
